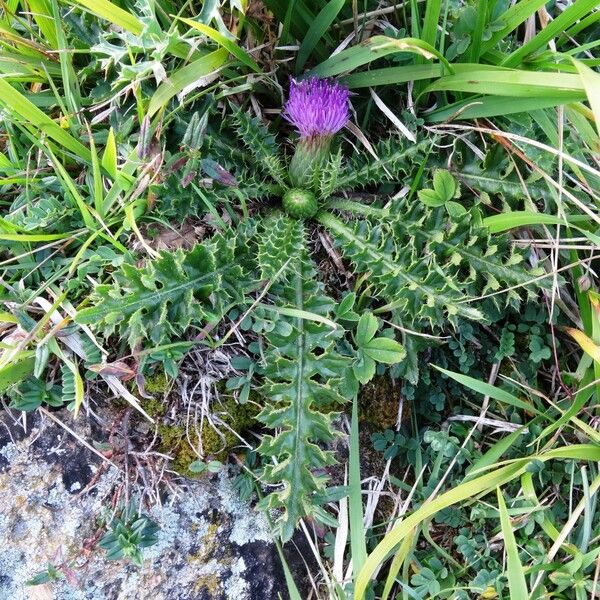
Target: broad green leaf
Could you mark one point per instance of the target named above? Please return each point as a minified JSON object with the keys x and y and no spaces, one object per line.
{"x":444,"y":184}
{"x":346,"y":305}
{"x":385,"y":350}
{"x":364,"y":368}
{"x":455,"y":210}
{"x":366,"y":329}
{"x":430,"y":198}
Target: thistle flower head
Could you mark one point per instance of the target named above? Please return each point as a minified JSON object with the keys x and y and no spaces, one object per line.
{"x":317,"y":107}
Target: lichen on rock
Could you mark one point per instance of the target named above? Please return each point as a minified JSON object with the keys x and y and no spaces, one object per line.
{"x":211,"y":546}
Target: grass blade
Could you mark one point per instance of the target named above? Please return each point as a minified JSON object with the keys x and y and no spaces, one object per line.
{"x":493,"y":106}
{"x":482,"y":484}
{"x":374,"y":48}
{"x":516,"y":577}
{"x":486,"y":389}
{"x":515,"y":83}
{"x":43,"y":17}
{"x":230,"y":46}
{"x":17,"y":370}
{"x":511,"y":220}
{"x":518,"y":13}
{"x":563,"y":21}
{"x":591,"y":82}
{"x":112,"y":13}
{"x":17,"y":103}
{"x":357,"y":529}
{"x":319,"y":26}
{"x":185,"y":77}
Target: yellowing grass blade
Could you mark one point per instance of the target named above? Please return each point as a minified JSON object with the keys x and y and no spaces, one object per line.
{"x":591,"y":82}
{"x":468,"y":490}
{"x":585,"y":343}
{"x":79,"y":388}
{"x":109,"y":158}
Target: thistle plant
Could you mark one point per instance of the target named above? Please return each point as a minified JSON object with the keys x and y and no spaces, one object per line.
{"x":318,"y":109}
{"x":417,"y":266}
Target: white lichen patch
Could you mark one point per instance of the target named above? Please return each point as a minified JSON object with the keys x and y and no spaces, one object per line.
{"x":248,"y":526}
{"x":200,"y":549}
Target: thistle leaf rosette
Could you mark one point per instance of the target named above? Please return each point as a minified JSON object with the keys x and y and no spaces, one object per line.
{"x":318,"y":108}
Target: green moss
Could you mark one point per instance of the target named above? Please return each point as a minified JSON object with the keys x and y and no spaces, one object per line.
{"x":378,"y":403}
{"x":155,"y":407}
{"x":157,"y":383}
{"x":216,"y":444}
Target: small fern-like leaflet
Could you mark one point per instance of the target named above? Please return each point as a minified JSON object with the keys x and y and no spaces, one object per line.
{"x":303,"y":381}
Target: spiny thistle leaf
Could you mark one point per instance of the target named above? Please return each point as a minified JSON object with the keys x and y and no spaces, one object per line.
{"x":158,"y":300}
{"x":261,"y":144}
{"x":501,"y":180}
{"x":427,"y":266}
{"x":405,"y":280}
{"x":464,"y":249}
{"x":329,"y":175}
{"x":161,"y":299}
{"x":395,"y":160}
{"x":303,"y":377}
{"x":281,"y":239}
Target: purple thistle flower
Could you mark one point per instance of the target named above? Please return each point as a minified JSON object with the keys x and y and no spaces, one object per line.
{"x":317,"y":107}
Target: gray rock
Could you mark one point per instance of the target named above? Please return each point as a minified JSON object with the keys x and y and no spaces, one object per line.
{"x":211,"y":545}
